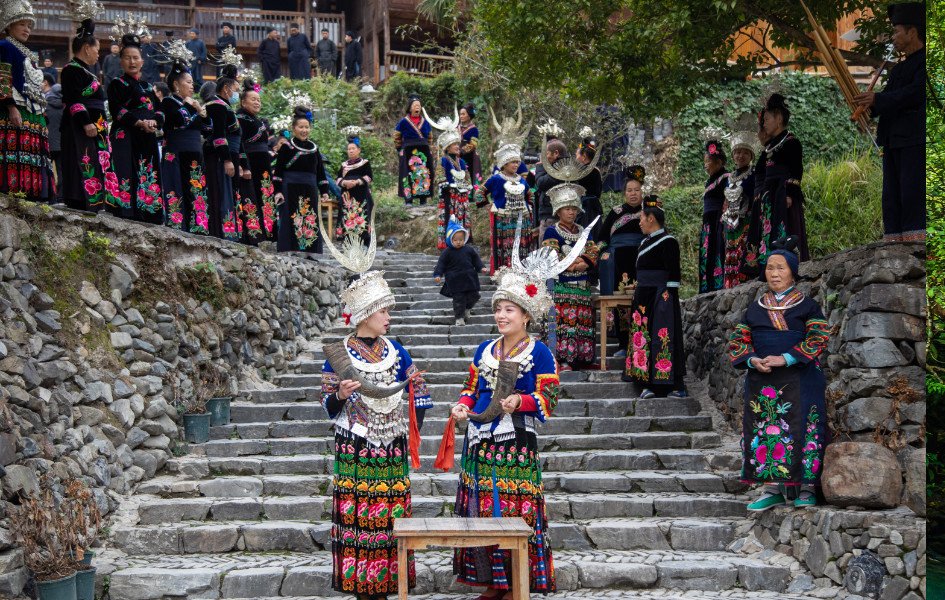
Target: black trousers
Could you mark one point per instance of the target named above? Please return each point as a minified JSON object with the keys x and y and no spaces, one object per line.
{"x":464,"y":301}
{"x":904,"y":191}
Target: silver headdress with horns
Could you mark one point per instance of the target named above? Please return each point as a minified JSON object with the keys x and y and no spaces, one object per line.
{"x":370,"y":292}
{"x":176,"y":51}
{"x":511,"y":137}
{"x":524,"y":282}
{"x":744,"y":133}
{"x":567,"y":170}
{"x":129,"y":24}
{"x":449,"y":127}
{"x":14,"y":11}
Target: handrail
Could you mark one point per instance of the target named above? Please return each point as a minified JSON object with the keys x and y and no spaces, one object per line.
{"x":418,"y":63}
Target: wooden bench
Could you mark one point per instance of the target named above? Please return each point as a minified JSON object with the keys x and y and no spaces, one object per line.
{"x":604,"y":305}
{"x":508,"y":534}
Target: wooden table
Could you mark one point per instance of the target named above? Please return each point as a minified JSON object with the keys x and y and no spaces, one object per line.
{"x":604,"y":305}
{"x":508,"y":534}
{"x":332,"y":205}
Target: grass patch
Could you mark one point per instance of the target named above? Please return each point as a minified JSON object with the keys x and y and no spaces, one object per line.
{"x":202,"y":282}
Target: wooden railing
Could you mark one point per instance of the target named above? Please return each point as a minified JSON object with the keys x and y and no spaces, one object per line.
{"x":49,"y":17}
{"x":418,"y":64}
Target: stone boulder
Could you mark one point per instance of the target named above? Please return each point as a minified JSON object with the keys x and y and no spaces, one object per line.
{"x":861,"y":474}
{"x":915,"y":482}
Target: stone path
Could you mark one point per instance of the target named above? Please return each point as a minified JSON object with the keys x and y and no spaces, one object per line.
{"x":643,"y":497}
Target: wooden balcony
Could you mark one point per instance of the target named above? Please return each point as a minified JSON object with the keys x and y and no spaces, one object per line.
{"x":416,"y":63}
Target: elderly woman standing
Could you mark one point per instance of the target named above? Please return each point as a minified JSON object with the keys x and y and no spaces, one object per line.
{"x":501,"y":468}
{"x":412,"y":138}
{"x":24,"y":159}
{"x":87,"y":180}
{"x":371,"y":485}
{"x":655,"y":358}
{"x":779,"y":340}
{"x":136,"y":118}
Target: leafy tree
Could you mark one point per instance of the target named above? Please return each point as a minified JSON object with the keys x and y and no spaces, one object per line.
{"x":649,"y":55}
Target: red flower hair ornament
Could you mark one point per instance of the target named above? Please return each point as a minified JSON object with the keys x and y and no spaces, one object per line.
{"x":531,"y":289}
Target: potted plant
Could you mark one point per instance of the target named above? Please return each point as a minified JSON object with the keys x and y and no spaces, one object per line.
{"x":43,"y":528}
{"x":86,"y":521}
{"x":194,"y":411}
{"x":219,"y":404}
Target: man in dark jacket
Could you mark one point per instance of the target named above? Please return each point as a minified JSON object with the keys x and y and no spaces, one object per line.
{"x":300,"y":53}
{"x":53,"y":93}
{"x":352,"y":56}
{"x":111,"y":65}
{"x":325,"y":53}
{"x":199,"y":48}
{"x":901,"y":130}
{"x":555,"y":150}
{"x":49,"y":69}
{"x":270,"y":56}
{"x":227,"y":40}
{"x":150,"y":68}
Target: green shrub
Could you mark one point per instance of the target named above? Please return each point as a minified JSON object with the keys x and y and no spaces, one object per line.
{"x":820,"y":119}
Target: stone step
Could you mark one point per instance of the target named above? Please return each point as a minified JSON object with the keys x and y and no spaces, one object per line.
{"x":436,"y":359}
{"x":559,"y":507}
{"x":250,"y":412}
{"x":570,"y":426}
{"x":430,"y":444}
{"x":484,"y":330}
{"x":448,"y":393}
{"x":436,"y":373}
{"x":616,"y":574}
{"x":296,"y":535}
{"x":308,"y":463}
{"x":445,"y":484}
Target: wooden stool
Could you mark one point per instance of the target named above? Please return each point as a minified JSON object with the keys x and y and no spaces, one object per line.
{"x":604,"y":306}
{"x":331,"y":205}
{"x":508,"y":534}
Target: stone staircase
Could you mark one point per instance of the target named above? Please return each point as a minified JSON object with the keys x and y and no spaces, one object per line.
{"x":642,"y":496}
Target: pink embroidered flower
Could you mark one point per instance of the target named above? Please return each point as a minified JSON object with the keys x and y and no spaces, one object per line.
{"x":111,"y":184}
{"x":639,"y":359}
{"x":104,"y":159}
{"x":778,"y":452}
{"x":362,"y":570}
{"x":86,"y":159}
{"x":769,"y":392}
{"x":636,"y":318}
{"x":639,"y":340}
{"x":92,"y":186}
{"x":664,"y":365}
{"x":177,"y":218}
{"x":773,"y":430}
{"x":816,"y":466}
{"x":347,"y":567}
{"x":664,"y":332}
{"x":761,"y":453}
{"x":155,"y":188}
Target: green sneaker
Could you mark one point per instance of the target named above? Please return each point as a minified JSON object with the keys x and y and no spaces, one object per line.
{"x":766,"y":502}
{"x":805,"y":499}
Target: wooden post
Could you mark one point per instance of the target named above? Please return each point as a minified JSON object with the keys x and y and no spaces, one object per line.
{"x":386,"y":42}
{"x":193,"y":13}
{"x":309,"y":31}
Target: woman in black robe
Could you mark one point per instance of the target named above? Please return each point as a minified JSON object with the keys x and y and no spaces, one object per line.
{"x":469,"y":148}
{"x":712,"y":241}
{"x":784,"y":169}
{"x":620,"y":238}
{"x":592,"y":183}
{"x":87,"y":181}
{"x":257,"y":206}
{"x":222,"y":161}
{"x":301,"y":184}
{"x":136,"y":118}
{"x":185,"y":185}
{"x":354,"y":179}
{"x":756,"y":243}
{"x":779,"y":341}
{"x":655,"y":357}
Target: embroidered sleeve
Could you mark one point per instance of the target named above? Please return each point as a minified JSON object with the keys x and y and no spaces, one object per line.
{"x":329,"y":386}
{"x":470,"y":392}
{"x":817,"y":332}
{"x":550,"y":242}
{"x":740,"y":348}
{"x":546,"y":394}
{"x":421,"y":395}
{"x":480,"y":195}
{"x":91,"y":88}
{"x":398,"y":137}
{"x":591,"y":252}
{"x":6,"y":82}
{"x":440,"y":177}
{"x":470,"y":146}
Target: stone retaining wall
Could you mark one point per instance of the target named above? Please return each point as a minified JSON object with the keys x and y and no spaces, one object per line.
{"x":834,"y":543}
{"x":85,"y":369}
{"x":874,"y":299}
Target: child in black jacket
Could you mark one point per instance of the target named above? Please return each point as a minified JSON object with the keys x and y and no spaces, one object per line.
{"x":461,"y":265}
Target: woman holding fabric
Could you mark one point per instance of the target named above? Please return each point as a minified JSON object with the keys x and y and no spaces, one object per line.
{"x":779,"y":341}
{"x":301,"y":183}
{"x":620,"y":239}
{"x":185,"y":186}
{"x":655,"y":357}
{"x":87,"y":180}
{"x":136,"y":119}
{"x":413,"y":137}
{"x":354,"y":178}
{"x":501,"y":468}
{"x":371,"y":485}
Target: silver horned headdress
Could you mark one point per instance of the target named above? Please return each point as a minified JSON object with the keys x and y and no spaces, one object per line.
{"x":129,"y":24}
{"x":176,"y":51}
{"x":370,"y":292}
{"x":567,"y":169}
{"x":510,"y":137}
{"x":524,"y":282}
{"x":449,"y":127}
{"x":744,"y":132}
{"x":82,"y":10}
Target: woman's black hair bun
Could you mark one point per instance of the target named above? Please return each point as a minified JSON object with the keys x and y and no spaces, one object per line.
{"x":249,"y":85}
{"x":130,"y":39}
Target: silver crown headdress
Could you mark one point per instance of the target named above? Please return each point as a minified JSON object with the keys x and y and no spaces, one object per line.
{"x":550,"y":128}
{"x":568,"y":170}
{"x":351,"y":131}
{"x":83,"y":10}
{"x":709,"y":133}
{"x":228,"y":60}
{"x":449,"y":127}
{"x":524,"y":282}
{"x":14,"y":11}
{"x":129,"y":24}
{"x":370,"y":292}
{"x":511,"y":137}
{"x":176,"y":51}
{"x":744,"y":132}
